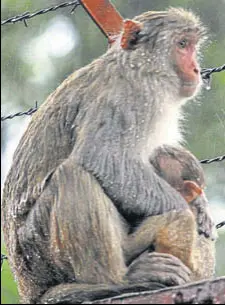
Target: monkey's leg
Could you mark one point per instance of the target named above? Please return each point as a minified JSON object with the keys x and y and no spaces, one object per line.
{"x":73,"y":233}
{"x":86,"y":229}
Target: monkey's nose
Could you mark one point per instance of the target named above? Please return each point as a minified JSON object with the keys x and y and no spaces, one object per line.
{"x":196,"y":71}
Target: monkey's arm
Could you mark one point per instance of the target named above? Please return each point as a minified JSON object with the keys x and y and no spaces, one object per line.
{"x":145,"y":235}
{"x":133,"y":186}
{"x":174,"y":233}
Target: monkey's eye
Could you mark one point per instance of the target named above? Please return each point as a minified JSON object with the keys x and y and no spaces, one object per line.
{"x":183,"y":43}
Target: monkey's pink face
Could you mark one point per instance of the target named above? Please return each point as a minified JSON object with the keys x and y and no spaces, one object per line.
{"x":186,"y":64}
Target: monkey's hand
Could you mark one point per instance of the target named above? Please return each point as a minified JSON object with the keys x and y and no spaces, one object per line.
{"x":204,"y":220}
{"x":161,"y":268}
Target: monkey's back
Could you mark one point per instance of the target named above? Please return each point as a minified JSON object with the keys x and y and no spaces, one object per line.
{"x":38,"y":153}
{"x":47,"y":143}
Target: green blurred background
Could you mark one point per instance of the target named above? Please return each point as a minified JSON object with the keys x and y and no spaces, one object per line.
{"x":35,"y":60}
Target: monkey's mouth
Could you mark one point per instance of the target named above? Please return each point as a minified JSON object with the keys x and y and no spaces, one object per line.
{"x":189,"y":88}
{"x":190,"y":84}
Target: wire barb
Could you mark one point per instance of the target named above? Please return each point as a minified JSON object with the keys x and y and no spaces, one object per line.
{"x":28,"y":112}
{"x":23,"y":17}
{"x":3,"y":257}
{"x":220,"y":225}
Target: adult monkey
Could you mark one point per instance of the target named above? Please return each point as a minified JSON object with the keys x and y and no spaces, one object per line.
{"x":80,"y":175}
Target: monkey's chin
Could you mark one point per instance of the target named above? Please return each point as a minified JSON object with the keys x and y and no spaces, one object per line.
{"x":189,"y":89}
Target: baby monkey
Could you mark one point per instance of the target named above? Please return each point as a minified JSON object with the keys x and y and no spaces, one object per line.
{"x":179,"y":232}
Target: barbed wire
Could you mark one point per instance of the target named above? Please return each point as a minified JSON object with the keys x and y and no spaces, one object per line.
{"x":26,"y":15}
{"x":205,"y":72}
{"x":220,"y":225}
{"x":28,"y":112}
{"x":217,"y":159}
{"x":3,"y":257}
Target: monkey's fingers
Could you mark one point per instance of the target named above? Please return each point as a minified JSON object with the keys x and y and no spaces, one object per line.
{"x":157,"y":267}
{"x":169,"y":259}
{"x":171,"y":264}
{"x":207,"y":227}
{"x":205,"y":223}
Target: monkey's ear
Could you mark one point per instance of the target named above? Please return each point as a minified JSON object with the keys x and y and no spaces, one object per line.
{"x":191,"y":190}
{"x":130,"y":33}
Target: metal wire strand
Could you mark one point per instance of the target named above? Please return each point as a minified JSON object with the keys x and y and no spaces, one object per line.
{"x":220,"y":225}
{"x":208,"y":71}
{"x":3,"y":257}
{"x":217,"y":159}
{"x":26,"y":15}
{"x":28,"y":112}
